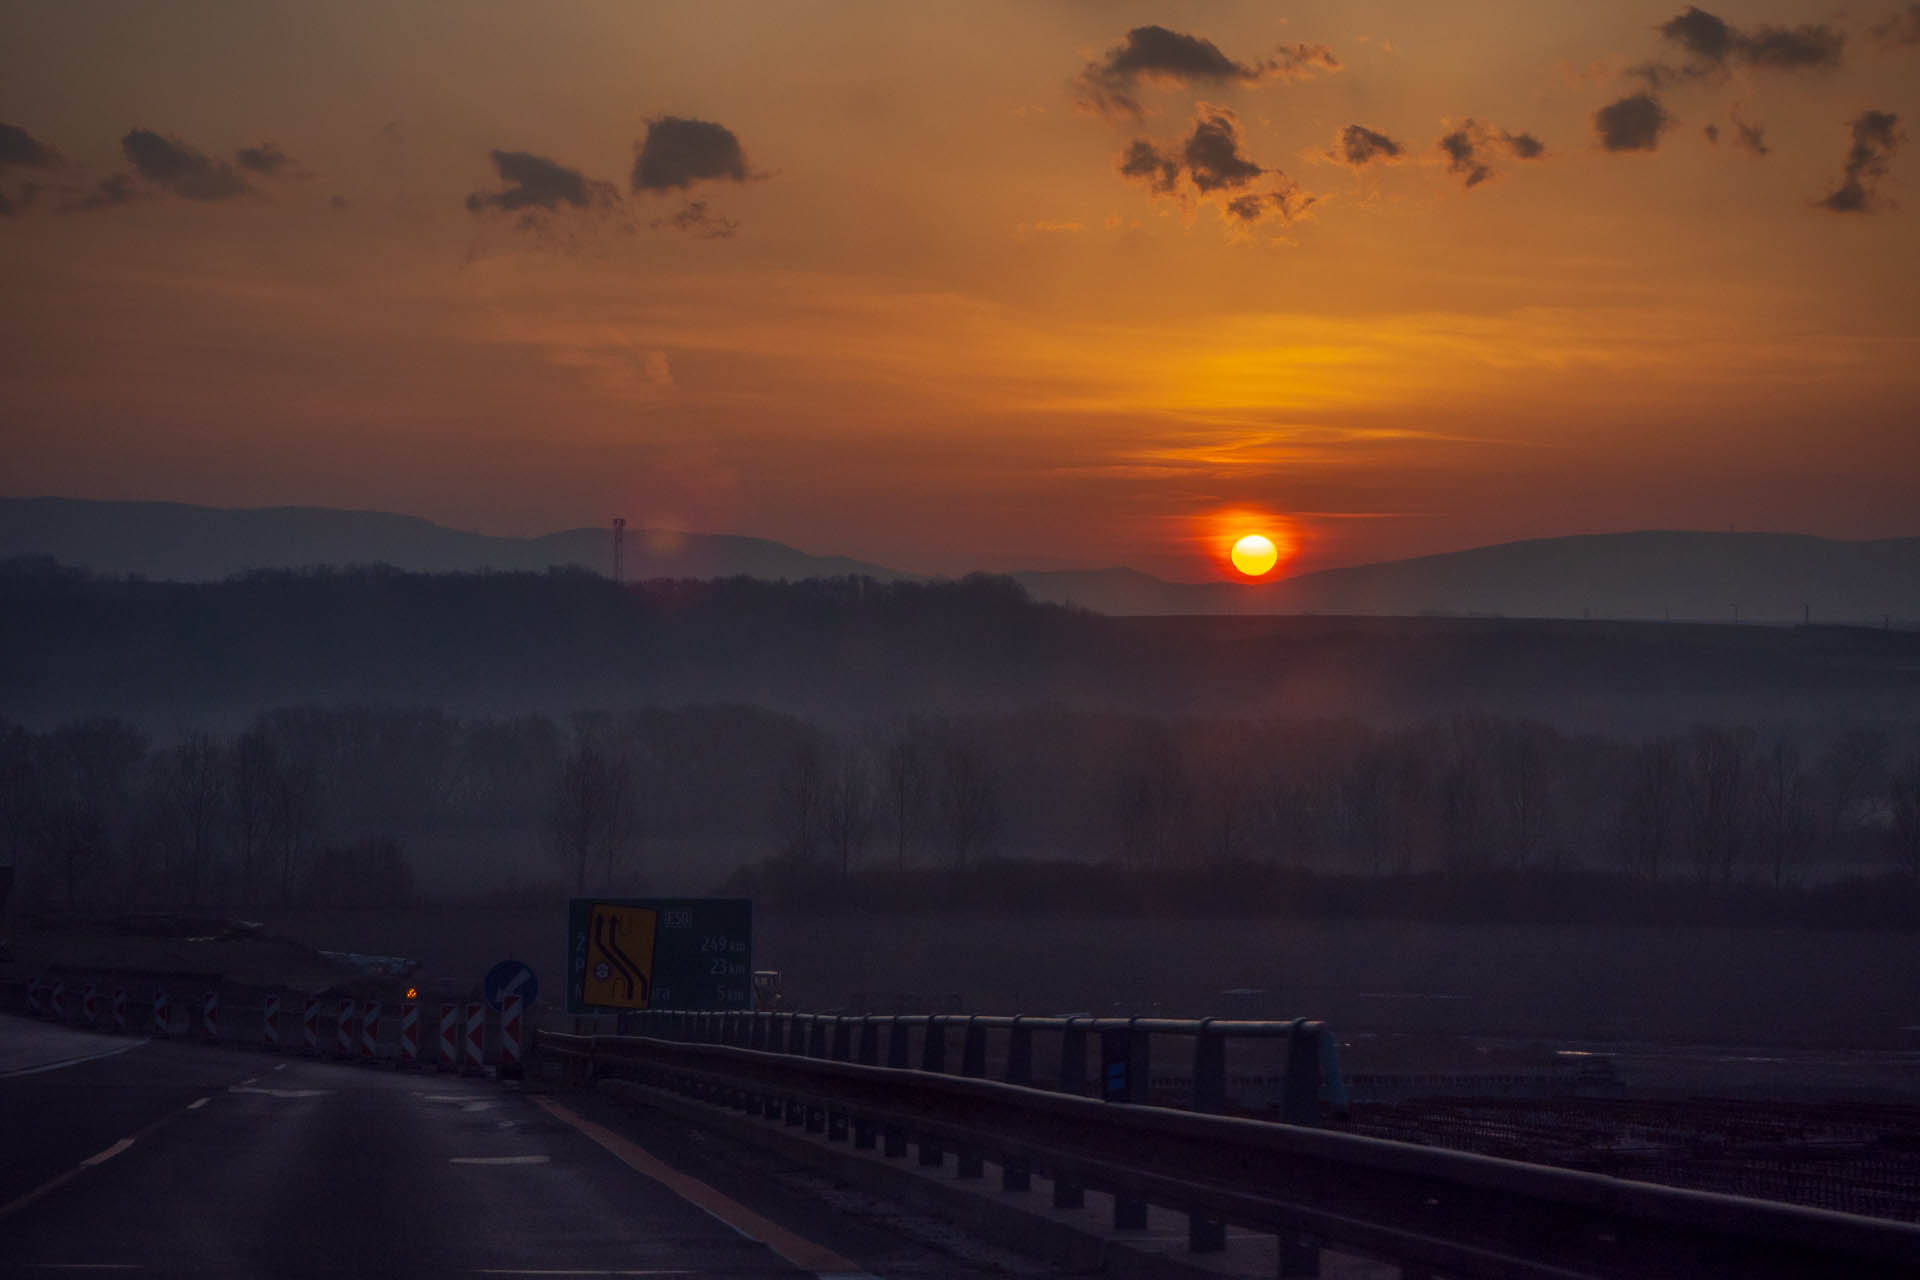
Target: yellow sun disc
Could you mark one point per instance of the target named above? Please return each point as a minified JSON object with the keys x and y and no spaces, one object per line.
{"x":1253,"y":555}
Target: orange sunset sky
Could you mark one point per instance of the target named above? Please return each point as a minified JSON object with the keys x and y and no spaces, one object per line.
{"x":973,"y":285}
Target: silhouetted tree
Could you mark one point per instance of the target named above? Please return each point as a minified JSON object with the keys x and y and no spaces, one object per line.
{"x":1903,"y":833}
{"x":591,"y":816}
{"x":1716,"y":793}
{"x":1650,"y":808}
{"x":903,"y":784}
{"x":970,"y":817}
{"x":800,"y":804}
{"x":848,"y":812}
{"x":1780,"y":803}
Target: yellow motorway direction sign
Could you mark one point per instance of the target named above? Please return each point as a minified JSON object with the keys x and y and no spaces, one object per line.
{"x":659,"y":953}
{"x":619,"y":959}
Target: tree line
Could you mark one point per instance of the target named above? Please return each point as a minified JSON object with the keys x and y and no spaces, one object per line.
{"x":315,"y":806}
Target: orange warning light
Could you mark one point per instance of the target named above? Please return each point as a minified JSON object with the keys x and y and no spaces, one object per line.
{"x":413,"y":993}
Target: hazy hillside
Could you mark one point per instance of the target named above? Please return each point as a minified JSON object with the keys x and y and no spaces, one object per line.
{"x":1770,"y":577}
{"x":178,"y":542}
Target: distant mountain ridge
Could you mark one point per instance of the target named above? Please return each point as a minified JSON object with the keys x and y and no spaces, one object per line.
{"x":1722,"y":577}
{"x":179,"y":542}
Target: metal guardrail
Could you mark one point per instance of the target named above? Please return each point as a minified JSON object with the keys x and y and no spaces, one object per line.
{"x":1432,"y":1212}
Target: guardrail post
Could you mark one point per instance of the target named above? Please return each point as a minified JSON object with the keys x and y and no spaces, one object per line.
{"x":1208,"y":1234}
{"x":971,"y":1160}
{"x":933,"y":1058}
{"x":867,"y":1053}
{"x":898,"y":1031}
{"x":1015,"y":1175}
{"x":817,"y":1048}
{"x":842,"y":1050}
{"x":1300,"y":1104}
{"x":1123,"y":1078}
{"x":757,"y":1030}
{"x":1068,"y":1193}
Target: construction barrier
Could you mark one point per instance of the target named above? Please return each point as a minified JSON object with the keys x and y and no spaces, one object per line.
{"x":449,"y":1037}
{"x":270,"y":1022}
{"x":90,"y":1005}
{"x":409,"y":1034}
{"x":162,"y":1014}
{"x":57,"y":1001}
{"x":210,"y":1016}
{"x":369,"y":1029}
{"x":310,"y":1025}
{"x":343,"y":1029}
{"x":37,"y":997}
{"x":120,"y":1010}
{"x":476,"y":1035}
{"x":510,"y":1025}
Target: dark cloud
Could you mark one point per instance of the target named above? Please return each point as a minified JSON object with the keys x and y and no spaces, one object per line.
{"x":172,"y":164}
{"x":1751,"y":136}
{"x":266,"y":159}
{"x":535,"y":182}
{"x":1902,"y":30}
{"x":19,"y":149}
{"x":1470,"y":147}
{"x":1634,"y":123}
{"x":1209,"y":165}
{"x":1156,"y":55}
{"x":1159,"y":170}
{"x":700,"y":222}
{"x":678,"y":153}
{"x":110,"y":192}
{"x":1213,"y":155}
{"x":1713,"y":44}
{"x":1358,"y":145}
{"x":1713,"y":132}
{"x":1875,"y":137}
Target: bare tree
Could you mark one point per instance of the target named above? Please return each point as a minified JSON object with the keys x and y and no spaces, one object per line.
{"x":1780,"y":803}
{"x":592,"y":817}
{"x":1716,"y":794}
{"x":191,"y":796}
{"x":848,"y":814}
{"x":903,"y":786}
{"x":970,"y":817}
{"x":1650,"y":811}
{"x":253,"y":794}
{"x":800,"y":803}
{"x":1903,"y":835}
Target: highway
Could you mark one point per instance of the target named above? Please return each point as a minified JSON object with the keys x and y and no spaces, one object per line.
{"x":167,"y":1158}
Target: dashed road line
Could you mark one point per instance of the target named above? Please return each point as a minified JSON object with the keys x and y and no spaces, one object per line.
{"x":499,"y":1160}
{"x":198,"y":1103}
{"x":71,"y":1062}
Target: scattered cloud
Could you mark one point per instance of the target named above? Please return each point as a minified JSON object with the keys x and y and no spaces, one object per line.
{"x":535,"y":182}
{"x":1901,"y":30}
{"x":21,"y":150}
{"x":679,"y":152}
{"x":1469,"y":149}
{"x":1712,"y":44}
{"x":700,"y":222}
{"x":1358,"y":145}
{"x":173,"y":165}
{"x":1154,"y":55}
{"x":1751,"y":136}
{"x":1875,"y":137}
{"x":110,"y":192}
{"x":1634,"y":123}
{"x":1713,"y":132}
{"x":1209,"y":164}
{"x":267,"y":159}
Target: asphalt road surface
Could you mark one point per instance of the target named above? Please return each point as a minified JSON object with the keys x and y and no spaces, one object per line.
{"x":164,"y":1158}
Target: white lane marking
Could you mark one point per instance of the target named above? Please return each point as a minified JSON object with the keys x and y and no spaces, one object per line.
{"x":198,"y":1103}
{"x":251,"y":1080}
{"x":281,"y":1067}
{"x":280,"y":1093}
{"x":71,"y":1062}
{"x":83,"y":1266}
{"x":106,"y":1155}
{"x":574,"y":1271}
{"x":499,"y":1160}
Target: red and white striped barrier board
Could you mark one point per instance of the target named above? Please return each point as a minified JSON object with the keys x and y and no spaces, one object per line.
{"x":90,"y":1005}
{"x":162,"y":1014}
{"x":369,"y":1028}
{"x":57,"y":1001}
{"x":343,"y":1031}
{"x":270,"y":1023}
{"x":449,"y":1037}
{"x":511,"y":1010}
{"x":409,"y":1034}
{"x":120,"y":1010}
{"x":310,"y":1025}
{"x":210,"y":1015}
{"x":476,"y":1034}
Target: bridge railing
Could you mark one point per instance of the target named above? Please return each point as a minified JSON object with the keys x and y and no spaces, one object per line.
{"x":1432,"y":1212}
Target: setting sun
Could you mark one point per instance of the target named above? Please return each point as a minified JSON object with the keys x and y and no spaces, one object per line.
{"x":1254,"y":554}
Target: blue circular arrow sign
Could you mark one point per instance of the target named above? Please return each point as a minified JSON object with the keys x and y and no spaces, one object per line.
{"x":510,"y":978}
